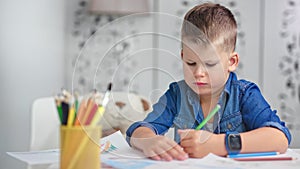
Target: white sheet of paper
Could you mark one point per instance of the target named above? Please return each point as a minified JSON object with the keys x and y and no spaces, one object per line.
{"x":211,"y":161}
{"x":37,"y":157}
{"x":116,"y":139}
{"x":123,"y":149}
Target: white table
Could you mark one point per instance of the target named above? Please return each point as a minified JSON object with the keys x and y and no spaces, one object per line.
{"x":249,"y":165}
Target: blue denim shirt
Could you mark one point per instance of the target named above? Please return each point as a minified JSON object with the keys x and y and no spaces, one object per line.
{"x":243,"y":108}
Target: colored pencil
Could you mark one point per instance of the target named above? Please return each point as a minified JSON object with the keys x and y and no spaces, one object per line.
{"x":265,"y":159}
{"x":258,"y":154}
{"x":209,"y":116}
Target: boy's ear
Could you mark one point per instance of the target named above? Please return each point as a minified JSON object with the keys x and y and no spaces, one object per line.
{"x":233,"y":61}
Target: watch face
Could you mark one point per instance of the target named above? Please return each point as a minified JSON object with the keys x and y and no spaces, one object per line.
{"x":234,"y":141}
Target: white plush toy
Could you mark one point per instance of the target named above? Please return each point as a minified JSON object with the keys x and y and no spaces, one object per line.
{"x":122,"y":110}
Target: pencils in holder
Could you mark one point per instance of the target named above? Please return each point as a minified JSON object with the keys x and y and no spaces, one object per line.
{"x":71,"y":116}
{"x":73,"y":113}
{"x":93,"y":123}
{"x":59,"y":108}
{"x":101,"y":108}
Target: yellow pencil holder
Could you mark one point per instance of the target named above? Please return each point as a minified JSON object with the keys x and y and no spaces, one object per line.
{"x":80,"y":147}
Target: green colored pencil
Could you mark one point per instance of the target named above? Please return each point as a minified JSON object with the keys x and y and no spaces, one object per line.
{"x":210,"y":115}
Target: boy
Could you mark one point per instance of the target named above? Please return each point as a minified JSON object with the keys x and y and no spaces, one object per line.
{"x":245,"y":121}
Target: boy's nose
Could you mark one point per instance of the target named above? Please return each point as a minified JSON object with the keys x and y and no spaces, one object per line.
{"x":199,"y":71}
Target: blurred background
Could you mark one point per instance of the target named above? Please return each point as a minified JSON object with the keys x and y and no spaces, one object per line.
{"x":135,"y":44}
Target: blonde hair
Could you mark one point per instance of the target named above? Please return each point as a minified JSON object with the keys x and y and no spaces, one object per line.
{"x":210,"y":23}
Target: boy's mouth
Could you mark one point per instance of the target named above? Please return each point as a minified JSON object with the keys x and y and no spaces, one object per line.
{"x":200,"y":83}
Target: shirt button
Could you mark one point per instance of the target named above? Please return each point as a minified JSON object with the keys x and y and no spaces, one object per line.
{"x":229,"y":126}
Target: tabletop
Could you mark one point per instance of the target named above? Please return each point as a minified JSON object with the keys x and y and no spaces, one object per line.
{"x":103,"y":166}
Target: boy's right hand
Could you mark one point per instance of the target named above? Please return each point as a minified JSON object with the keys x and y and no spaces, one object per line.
{"x":157,"y":147}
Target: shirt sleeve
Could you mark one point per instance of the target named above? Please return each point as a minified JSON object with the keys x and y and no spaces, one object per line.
{"x":258,"y":113}
{"x":162,"y":116}
{"x":135,"y":125}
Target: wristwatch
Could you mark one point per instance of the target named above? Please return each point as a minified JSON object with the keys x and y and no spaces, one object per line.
{"x":233,"y":142}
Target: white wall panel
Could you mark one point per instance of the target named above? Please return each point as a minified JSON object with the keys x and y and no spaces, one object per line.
{"x":31,"y":66}
{"x":105,"y":48}
{"x":281,"y":61}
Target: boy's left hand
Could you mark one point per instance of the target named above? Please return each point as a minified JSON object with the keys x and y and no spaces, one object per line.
{"x":197,"y":143}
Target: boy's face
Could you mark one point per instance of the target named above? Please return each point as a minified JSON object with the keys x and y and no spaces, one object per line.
{"x":205,"y":69}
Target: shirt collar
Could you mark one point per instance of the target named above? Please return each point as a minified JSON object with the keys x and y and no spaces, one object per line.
{"x":232,"y":76}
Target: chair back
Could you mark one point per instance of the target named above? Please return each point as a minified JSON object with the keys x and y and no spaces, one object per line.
{"x":44,"y":124}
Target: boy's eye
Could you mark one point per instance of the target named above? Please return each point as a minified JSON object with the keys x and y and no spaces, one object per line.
{"x":210,"y":64}
{"x":191,"y":63}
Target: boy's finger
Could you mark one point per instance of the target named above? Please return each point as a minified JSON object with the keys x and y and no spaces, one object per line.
{"x":151,"y":154}
{"x":156,"y":157}
{"x":188,"y":150}
{"x":175,"y":150}
{"x":184,"y":130}
{"x":178,"y":153}
{"x":186,"y":143}
{"x":165,"y":156}
{"x":185,"y":134}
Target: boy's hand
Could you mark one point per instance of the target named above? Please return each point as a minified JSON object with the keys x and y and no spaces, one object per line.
{"x":160,"y":148}
{"x":197,"y":143}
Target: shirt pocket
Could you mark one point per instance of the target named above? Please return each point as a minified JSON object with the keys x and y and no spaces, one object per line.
{"x":232,"y":122}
